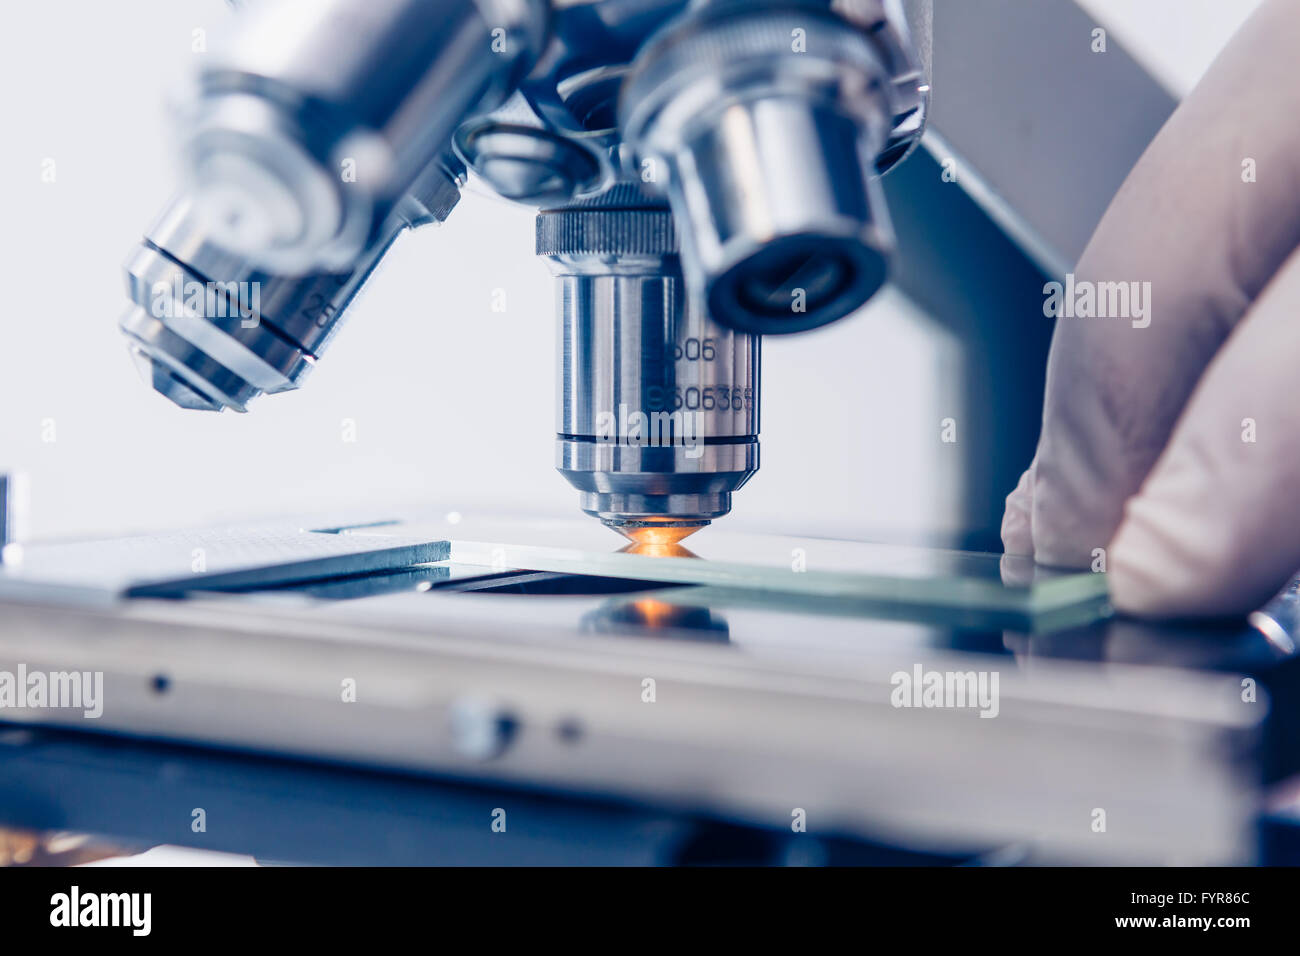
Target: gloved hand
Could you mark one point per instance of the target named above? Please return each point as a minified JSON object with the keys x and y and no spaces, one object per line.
{"x":1175,"y":447}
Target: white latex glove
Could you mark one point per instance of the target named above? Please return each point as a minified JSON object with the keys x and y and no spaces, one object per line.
{"x":1143,"y":450}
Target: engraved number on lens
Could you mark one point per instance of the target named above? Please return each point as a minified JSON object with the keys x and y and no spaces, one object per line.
{"x":694,"y":350}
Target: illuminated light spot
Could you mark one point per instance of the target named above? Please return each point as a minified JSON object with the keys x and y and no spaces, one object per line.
{"x":654,"y":613}
{"x":656,"y":536}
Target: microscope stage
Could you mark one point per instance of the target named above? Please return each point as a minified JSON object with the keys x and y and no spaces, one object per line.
{"x":752,"y":675}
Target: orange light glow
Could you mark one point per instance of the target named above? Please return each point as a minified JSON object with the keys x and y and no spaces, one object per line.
{"x":658,"y":551}
{"x":652,"y":536}
{"x":654,"y":613}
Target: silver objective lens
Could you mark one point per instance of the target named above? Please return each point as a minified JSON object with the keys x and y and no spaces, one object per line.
{"x":706,"y":172}
{"x":764,"y":124}
{"x":313,"y":122}
{"x":657,"y":412}
{"x":211,"y":331}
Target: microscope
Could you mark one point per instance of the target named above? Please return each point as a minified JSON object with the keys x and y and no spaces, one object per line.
{"x":706,"y":173}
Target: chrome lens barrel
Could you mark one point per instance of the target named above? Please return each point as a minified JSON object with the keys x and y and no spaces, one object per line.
{"x":318,"y":115}
{"x":211,"y":331}
{"x":657,"y":412}
{"x":764,"y":124}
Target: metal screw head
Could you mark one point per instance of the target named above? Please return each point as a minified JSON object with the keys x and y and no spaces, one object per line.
{"x":481,"y":729}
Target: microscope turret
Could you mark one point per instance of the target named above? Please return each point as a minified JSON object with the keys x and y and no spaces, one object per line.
{"x":706,"y":173}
